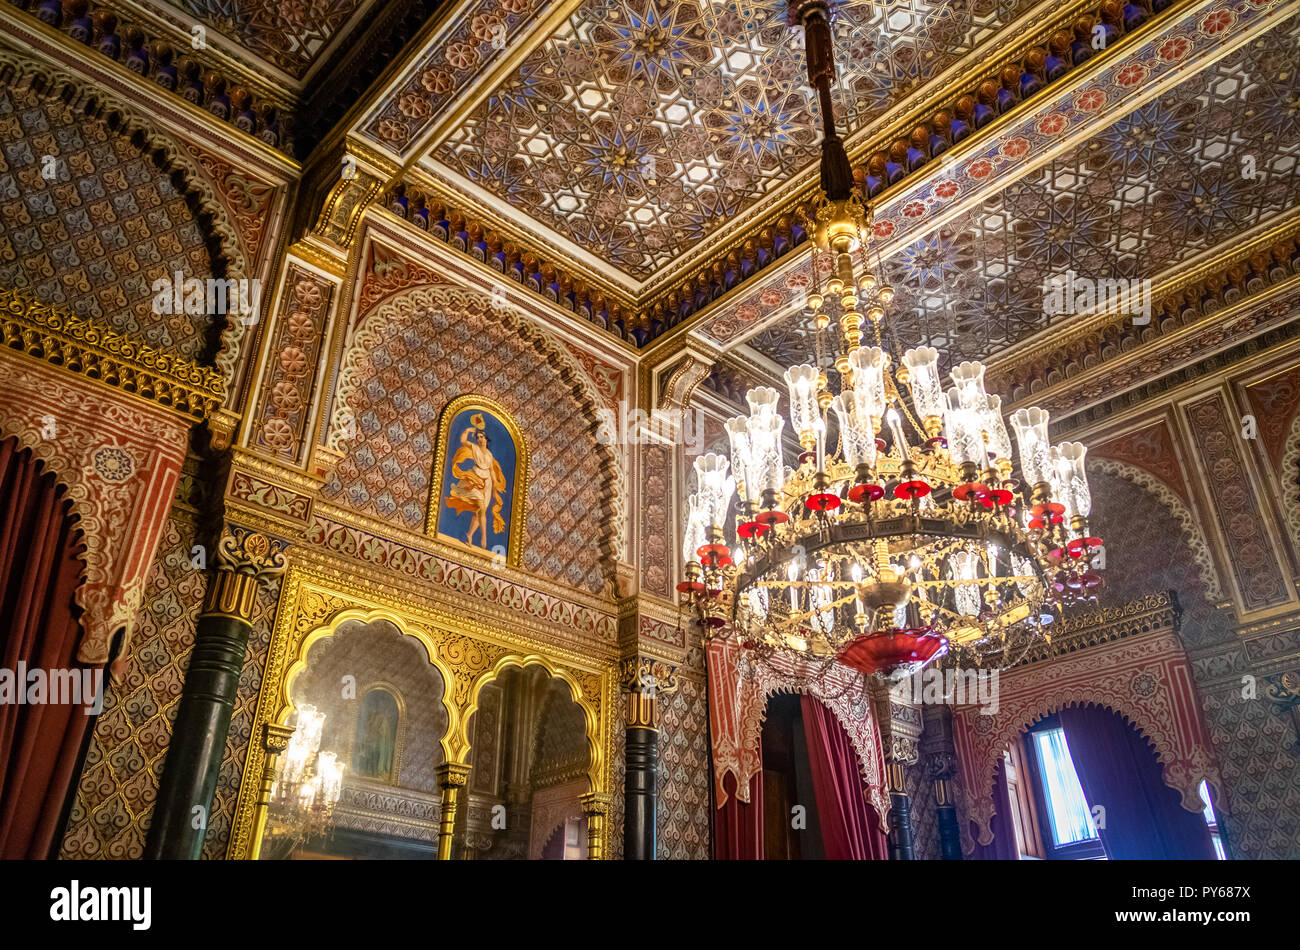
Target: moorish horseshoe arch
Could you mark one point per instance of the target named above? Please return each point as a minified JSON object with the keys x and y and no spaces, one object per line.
{"x":408,"y":303}
{"x":18,"y":72}
{"x":1145,"y":678}
{"x":1171,"y":772}
{"x":329,"y":629}
{"x":112,"y":452}
{"x":590,"y":712}
{"x":867,"y":763}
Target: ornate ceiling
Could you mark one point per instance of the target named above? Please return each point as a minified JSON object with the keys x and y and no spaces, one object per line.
{"x":638,"y":127}
{"x":1193,"y":169}
{"x":288,"y":36}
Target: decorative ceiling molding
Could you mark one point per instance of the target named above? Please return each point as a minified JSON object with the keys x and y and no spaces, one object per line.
{"x":1099,"y":93}
{"x":1069,"y":367}
{"x":146,"y":55}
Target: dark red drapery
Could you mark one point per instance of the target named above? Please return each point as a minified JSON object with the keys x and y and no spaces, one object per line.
{"x":1118,"y":769}
{"x":738,"y":826}
{"x":1003,"y":846}
{"x":848,"y":826}
{"x":40,"y":570}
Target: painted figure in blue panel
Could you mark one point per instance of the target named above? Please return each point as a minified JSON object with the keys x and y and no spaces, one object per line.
{"x":480,"y":475}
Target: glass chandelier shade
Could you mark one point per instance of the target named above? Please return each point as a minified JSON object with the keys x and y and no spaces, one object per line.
{"x":804,"y":413}
{"x":923,"y":379}
{"x":1030,"y":426}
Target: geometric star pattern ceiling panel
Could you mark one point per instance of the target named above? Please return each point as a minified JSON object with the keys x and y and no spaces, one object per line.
{"x":1189,"y":171}
{"x":640,"y":126}
{"x":95,"y":236}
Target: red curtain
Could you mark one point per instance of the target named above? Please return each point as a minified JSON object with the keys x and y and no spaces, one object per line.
{"x":738,"y":827}
{"x":848,"y":826}
{"x":40,"y":569}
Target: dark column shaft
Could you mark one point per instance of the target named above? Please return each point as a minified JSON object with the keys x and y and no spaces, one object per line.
{"x":198,"y":739}
{"x":641,"y":795}
{"x":900,"y":827}
{"x":949,"y":833}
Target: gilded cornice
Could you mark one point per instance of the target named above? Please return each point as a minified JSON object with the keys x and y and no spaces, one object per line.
{"x":1261,"y":327}
{"x":1080,"y":629}
{"x":428,"y":240}
{"x":114,"y":359}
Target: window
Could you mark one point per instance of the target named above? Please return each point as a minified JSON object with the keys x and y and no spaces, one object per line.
{"x":1212,"y":820}
{"x":1068,"y":814}
{"x":1070,"y":832}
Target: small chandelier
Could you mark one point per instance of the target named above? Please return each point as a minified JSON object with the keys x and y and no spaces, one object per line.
{"x":915,"y":539}
{"x":308,"y":784}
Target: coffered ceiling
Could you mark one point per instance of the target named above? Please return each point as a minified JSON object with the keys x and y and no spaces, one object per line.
{"x":638,"y":127}
{"x":1191,"y":170}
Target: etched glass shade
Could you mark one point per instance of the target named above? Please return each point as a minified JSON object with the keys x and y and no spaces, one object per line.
{"x":1030,"y":426}
{"x":745,"y":466}
{"x":927,"y":391}
{"x":968,"y":377}
{"x":995,"y":427}
{"x":694,"y":536}
{"x":868,"y":365}
{"x":765,"y":443}
{"x":764,"y":402}
{"x":1074,"y":476}
{"x":715,"y":487}
{"x":963,"y":564}
{"x":856,"y":435}
{"x":802,"y":381}
{"x":962,"y":430}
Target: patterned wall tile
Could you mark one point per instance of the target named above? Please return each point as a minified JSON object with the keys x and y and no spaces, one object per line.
{"x":119,"y":782}
{"x":96,"y":235}
{"x":684,"y":774}
{"x":1260,"y":578}
{"x":427,"y":353}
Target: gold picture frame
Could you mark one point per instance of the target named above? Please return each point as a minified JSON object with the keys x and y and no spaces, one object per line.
{"x":518,"y":490}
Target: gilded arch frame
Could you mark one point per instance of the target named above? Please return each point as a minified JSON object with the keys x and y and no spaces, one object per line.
{"x":467,"y":651}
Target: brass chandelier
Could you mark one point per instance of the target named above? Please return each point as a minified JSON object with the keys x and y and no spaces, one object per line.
{"x":917,"y":537}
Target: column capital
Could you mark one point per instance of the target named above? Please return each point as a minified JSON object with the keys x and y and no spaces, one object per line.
{"x":247,"y":551}
{"x":643,"y":673}
{"x":596,"y":804}
{"x":452,"y":775}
